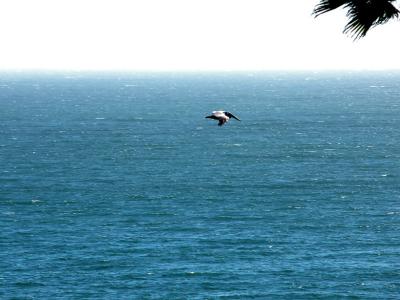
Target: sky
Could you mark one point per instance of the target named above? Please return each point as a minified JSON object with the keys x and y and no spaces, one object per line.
{"x":186,"y":35}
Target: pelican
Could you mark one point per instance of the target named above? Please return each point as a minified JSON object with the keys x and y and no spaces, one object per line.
{"x":221,"y":116}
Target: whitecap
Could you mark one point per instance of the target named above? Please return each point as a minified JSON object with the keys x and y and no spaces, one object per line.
{"x":8,"y":213}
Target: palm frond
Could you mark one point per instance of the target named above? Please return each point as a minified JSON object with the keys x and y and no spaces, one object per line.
{"x":328,"y":5}
{"x":362,"y":14}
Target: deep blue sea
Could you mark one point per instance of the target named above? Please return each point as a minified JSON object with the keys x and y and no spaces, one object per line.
{"x":115,"y":186}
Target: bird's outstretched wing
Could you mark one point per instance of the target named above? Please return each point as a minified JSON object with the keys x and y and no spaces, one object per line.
{"x":231,"y":115}
{"x":221,"y":122}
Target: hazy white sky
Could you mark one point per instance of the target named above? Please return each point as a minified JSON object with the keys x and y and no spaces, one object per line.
{"x":186,"y":35}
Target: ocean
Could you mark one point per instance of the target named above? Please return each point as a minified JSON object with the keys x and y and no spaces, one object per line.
{"x":115,"y":186}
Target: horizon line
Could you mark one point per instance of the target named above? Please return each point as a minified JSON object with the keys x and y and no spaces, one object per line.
{"x":149,"y":71}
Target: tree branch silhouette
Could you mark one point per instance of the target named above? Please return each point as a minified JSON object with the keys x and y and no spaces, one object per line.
{"x":362,"y":14}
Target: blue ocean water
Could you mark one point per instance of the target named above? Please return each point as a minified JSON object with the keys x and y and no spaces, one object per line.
{"x":115,"y":186}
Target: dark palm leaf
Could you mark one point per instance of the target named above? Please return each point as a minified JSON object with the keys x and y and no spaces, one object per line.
{"x":362,"y":14}
{"x":327,"y":5}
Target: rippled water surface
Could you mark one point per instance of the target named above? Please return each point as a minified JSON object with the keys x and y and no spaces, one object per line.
{"x":115,"y":186}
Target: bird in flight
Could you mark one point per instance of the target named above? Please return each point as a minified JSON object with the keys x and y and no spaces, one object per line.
{"x":221,"y":116}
